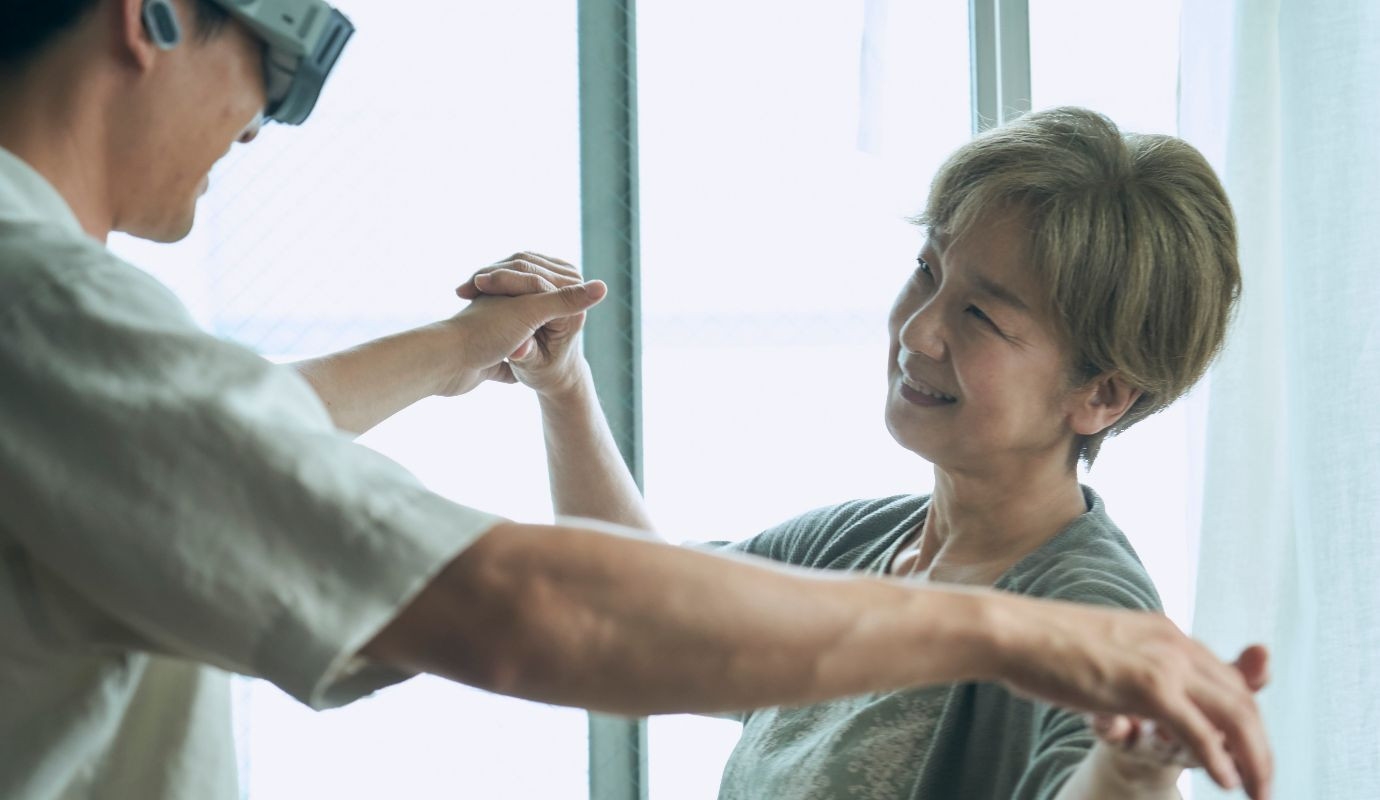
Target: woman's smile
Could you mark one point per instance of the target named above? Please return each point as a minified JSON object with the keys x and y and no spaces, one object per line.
{"x":922,"y":394}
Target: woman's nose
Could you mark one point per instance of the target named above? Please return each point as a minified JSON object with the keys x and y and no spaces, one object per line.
{"x":923,"y":332}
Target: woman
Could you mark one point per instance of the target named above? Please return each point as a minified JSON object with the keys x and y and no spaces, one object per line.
{"x":1074,"y":281}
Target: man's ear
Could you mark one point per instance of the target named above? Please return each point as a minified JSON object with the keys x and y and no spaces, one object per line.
{"x":1101,"y":403}
{"x":146,"y":27}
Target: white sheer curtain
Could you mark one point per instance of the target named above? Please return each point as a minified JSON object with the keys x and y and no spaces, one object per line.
{"x":1283,"y":93}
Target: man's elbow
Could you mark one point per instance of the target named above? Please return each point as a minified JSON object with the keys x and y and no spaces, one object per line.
{"x":479,"y":622}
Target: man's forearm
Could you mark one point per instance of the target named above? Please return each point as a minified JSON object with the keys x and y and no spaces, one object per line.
{"x":365,"y":385}
{"x":588,"y":475}
{"x":574,"y":617}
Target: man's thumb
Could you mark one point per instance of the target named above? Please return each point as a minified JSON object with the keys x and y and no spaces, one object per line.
{"x":569,"y":300}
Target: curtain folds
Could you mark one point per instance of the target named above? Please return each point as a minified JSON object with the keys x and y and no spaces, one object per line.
{"x":1284,"y":95}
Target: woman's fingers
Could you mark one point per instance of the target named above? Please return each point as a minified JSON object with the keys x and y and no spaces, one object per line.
{"x":1114,"y":729}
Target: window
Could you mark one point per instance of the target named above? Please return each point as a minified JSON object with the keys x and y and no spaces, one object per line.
{"x":782,"y":146}
{"x":1150,"y":476}
{"x":780,"y":157}
{"x":447,"y":139}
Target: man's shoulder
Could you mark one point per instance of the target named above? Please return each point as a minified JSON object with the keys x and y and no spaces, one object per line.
{"x":45,"y":268}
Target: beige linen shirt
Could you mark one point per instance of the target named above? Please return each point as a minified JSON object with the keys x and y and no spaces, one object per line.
{"x":173,"y":508}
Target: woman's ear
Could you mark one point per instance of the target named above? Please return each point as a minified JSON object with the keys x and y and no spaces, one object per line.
{"x":1101,"y":403}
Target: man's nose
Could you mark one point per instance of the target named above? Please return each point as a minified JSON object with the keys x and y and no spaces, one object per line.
{"x":252,"y":131}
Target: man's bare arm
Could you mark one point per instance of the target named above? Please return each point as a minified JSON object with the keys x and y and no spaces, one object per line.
{"x":365,"y":385}
{"x":612,"y":623}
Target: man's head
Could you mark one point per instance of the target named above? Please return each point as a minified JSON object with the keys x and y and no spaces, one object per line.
{"x":153,"y":121}
{"x":1130,"y":237}
{"x":28,"y":25}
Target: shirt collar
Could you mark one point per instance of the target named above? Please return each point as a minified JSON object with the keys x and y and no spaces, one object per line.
{"x":27,"y":195}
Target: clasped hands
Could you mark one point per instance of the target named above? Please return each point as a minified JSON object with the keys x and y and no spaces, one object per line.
{"x":522,"y":324}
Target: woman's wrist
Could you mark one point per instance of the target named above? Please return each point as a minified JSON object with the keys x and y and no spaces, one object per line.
{"x":1105,"y":772}
{"x":569,"y":391}
{"x":1133,"y":776}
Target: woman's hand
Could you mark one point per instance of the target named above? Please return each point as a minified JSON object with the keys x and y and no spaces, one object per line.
{"x":551,"y":360}
{"x":1141,"y":665}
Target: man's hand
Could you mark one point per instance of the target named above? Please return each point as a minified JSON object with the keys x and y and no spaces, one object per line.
{"x":551,"y":361}
{"x":523,"y":324}
{"x":1138,"y":750}
{"x":1141,"y":665}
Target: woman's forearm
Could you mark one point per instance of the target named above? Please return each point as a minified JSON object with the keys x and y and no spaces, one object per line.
{"x":588,"y":475}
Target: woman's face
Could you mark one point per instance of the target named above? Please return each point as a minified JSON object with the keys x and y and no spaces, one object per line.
{"x":978,"y":378}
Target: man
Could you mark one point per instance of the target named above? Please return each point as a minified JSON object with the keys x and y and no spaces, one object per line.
{"x":173,"y":507}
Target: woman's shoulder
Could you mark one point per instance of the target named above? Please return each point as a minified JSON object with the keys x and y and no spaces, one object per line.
{"x":1090,"y":561}
{"x":840,"y":536}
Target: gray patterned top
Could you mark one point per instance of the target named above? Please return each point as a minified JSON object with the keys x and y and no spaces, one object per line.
{"x":955,"y":742}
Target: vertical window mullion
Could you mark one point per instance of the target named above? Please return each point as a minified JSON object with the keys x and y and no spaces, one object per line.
{"x":610,"y":251}
{"x":999,"y":33}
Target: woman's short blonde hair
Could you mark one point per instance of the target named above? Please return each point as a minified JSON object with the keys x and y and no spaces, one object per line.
{"x":1131,"y":235}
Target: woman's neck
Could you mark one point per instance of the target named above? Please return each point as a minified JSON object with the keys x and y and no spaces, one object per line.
{"x":979,"y":525}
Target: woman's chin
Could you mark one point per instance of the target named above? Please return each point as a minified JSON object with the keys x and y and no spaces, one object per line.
{"x":909,"y":437}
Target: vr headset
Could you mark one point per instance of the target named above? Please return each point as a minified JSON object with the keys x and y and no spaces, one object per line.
{"x":304,"y":39}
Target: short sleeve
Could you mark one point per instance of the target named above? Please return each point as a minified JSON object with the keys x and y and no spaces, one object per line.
{"x":178,"y":494}
{"x":847,"y":536}
{"x":784,"y":542}
{"x":1062,"y":737}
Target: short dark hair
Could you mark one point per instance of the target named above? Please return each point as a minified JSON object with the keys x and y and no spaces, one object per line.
{"x":26,"y":26}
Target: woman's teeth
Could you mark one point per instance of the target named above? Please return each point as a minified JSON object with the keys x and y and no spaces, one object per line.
{"x":928,"y":390}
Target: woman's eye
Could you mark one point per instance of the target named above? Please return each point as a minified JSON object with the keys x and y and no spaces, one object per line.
{"x":923,"y":266}
{"x":977,"y":312}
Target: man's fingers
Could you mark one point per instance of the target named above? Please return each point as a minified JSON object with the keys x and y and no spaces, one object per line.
{"x":1227,"y":698}
{"x":1200,"y":736}
{"x":1254,"y":665}
{"x":1235,"y":713}
{"x":511,"y":283}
